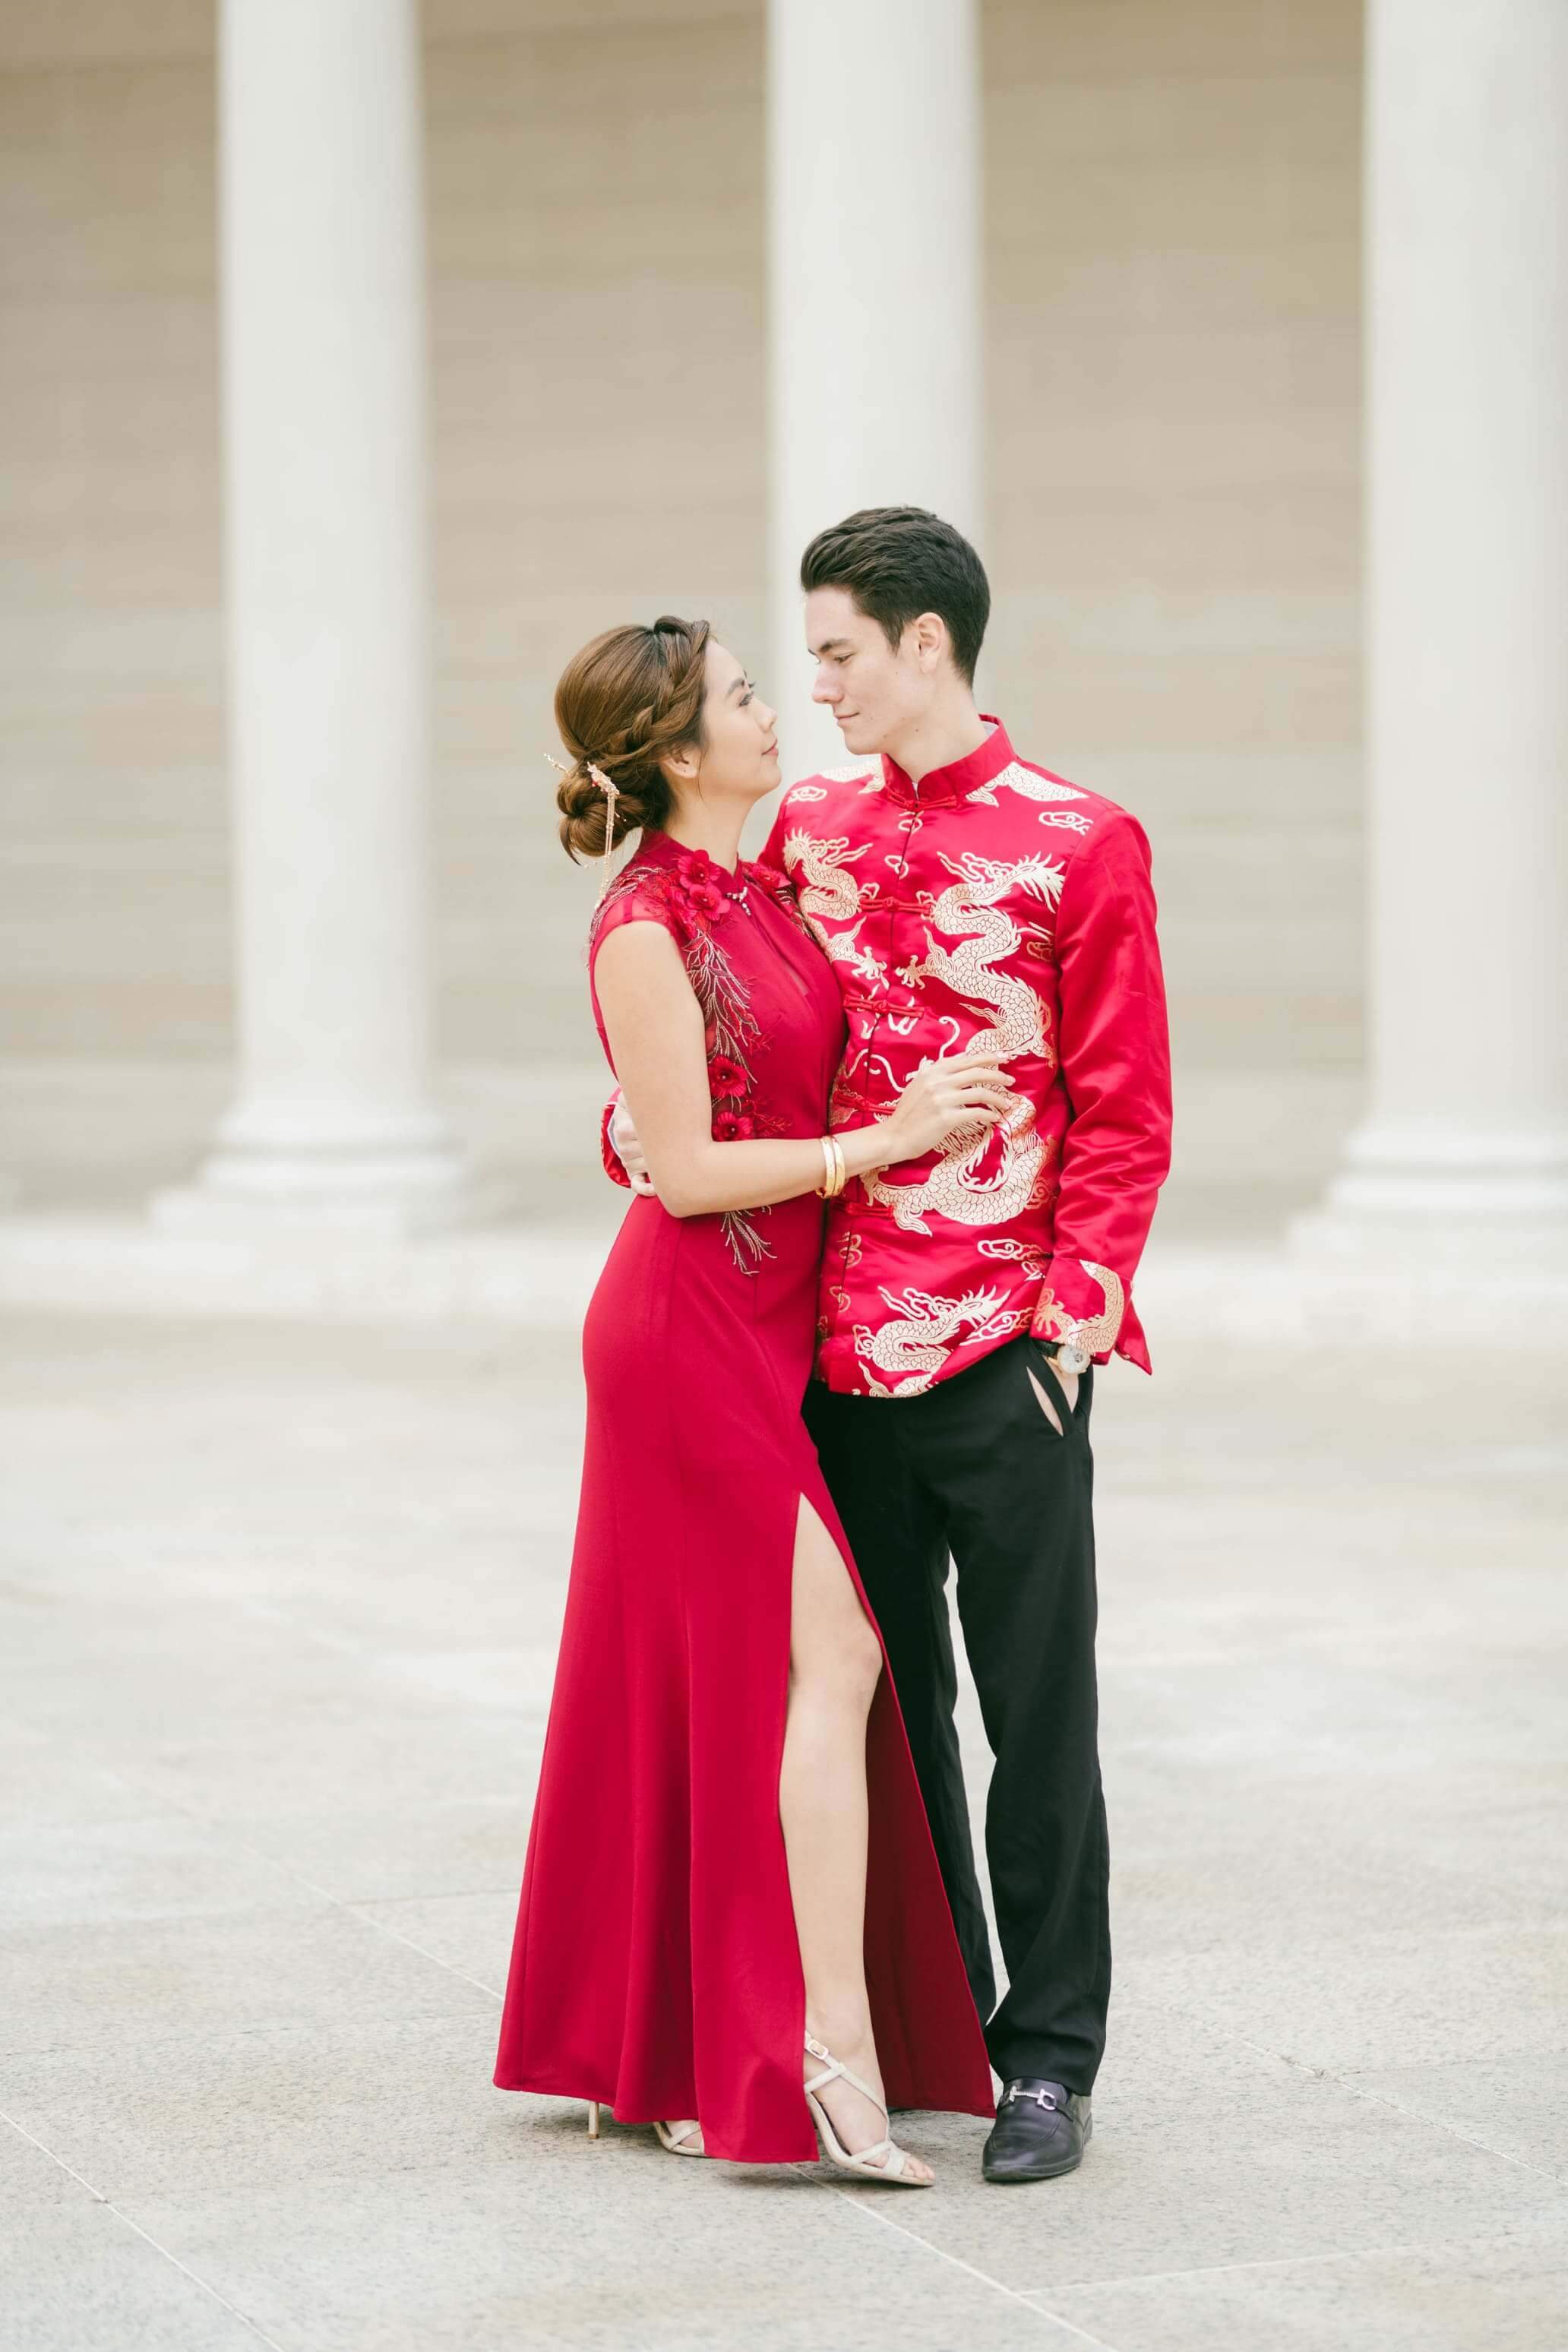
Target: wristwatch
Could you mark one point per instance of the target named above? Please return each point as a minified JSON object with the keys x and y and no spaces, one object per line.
{"x":1066,"y":1356}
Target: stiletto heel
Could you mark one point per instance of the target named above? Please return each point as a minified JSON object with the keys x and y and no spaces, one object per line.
{"x":896,"y":2168}
{"x":679,"y":2138}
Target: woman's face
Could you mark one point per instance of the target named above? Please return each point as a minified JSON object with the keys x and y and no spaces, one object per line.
{"x":739,"y":757}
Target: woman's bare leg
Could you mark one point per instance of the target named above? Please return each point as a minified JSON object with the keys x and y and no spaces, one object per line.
{"x":835,"y":1663}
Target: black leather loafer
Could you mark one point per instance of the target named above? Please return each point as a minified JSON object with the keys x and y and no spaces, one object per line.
{"x":1040,"y":2132}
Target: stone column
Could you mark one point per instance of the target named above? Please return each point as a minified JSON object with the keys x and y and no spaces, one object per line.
{"x":325,"y":429}
{"x":1464,"y":1149}
{"x":874,"y":292}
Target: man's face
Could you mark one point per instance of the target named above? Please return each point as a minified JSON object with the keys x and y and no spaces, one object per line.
{"x":874,"y":691}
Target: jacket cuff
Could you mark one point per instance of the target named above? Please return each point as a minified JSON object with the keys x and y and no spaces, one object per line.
{"x":614,"y":1166}
{"x":1086,"y":1305}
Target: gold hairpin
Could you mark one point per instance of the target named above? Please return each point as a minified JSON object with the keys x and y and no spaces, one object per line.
{"x":607,"y":785}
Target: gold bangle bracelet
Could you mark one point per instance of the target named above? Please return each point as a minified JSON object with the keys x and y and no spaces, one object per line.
{"x":840,"y":1171}
{"x":824,"y":1189}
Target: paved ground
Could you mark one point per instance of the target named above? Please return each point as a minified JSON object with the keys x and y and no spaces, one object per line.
{"x":275,"y":1635}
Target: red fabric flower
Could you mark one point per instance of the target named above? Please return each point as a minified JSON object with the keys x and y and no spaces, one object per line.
{"x":697,"y":878}
{"x":726,"y":1077}
{"x":732,"y":1127}
{"x":779,"y":889}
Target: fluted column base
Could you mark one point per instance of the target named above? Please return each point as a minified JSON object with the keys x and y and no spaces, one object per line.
{"x":1412,"y":1193}
{"x":386,"y":1177}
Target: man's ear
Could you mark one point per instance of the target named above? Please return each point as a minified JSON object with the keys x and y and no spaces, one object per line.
{"x":933,"y":645}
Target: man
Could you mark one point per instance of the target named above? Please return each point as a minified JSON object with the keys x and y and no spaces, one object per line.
{"x":969,"y":900}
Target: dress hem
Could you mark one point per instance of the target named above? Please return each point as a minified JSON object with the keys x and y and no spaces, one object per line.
{"x":808,"y":2153}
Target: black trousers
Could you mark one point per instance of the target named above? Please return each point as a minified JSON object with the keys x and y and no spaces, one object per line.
{"x":974,"y":1469}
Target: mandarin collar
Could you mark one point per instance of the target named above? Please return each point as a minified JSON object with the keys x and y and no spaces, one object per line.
{"x":948,"y":787}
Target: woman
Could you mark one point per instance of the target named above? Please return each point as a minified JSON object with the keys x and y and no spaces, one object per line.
{"x":732,"y":1923}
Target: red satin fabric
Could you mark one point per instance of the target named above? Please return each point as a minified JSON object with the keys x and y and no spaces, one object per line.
{"x":992,"y":905}
{"x":656,"y":1966}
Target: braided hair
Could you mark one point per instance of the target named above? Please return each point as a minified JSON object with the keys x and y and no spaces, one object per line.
{"x":623,"y":704}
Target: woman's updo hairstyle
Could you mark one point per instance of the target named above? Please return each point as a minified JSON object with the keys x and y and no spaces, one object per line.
{"x":624,"y":703}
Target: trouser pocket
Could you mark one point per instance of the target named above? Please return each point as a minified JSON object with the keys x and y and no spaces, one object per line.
{"x":1050,"y":1396}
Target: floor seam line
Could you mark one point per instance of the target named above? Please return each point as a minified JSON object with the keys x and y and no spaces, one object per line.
{"x":24,"y":2054}
{"x":860,"y":2204}
{"x":43,"y":2149}
{"x":338,"y":1902}
{"x":1381,"y":2099}
{"x":1345,"y":2081}
{"x":408,"y":1944}
{"x":165,"y":2253}
{"x":1279,"y":2261}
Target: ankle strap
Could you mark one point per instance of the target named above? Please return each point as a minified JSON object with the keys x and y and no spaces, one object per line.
{"x":836,"y":2069}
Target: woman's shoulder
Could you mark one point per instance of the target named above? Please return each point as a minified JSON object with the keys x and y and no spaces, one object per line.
{"x":681,"y":889}
{"x":643,"y":891}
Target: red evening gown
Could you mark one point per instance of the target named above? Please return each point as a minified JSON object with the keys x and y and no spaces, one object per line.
{"x":656,"y":1966}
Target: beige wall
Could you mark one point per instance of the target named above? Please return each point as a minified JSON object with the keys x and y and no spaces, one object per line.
{"x":113,"y":893}
{"x":1173,"y":246}
{"x":1174,"y":396}
{"x":596,"y":193}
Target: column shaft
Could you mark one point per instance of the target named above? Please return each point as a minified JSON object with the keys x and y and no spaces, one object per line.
{"x":1466,"y":624}
{"x":874,"y":294}
{"x":325,"y":423}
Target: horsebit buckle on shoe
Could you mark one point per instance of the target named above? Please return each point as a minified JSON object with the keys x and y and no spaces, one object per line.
{"x":1015,"y":2091}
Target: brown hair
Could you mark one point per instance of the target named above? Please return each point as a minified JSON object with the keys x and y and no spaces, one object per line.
{"x":898,"y":562}
{"x":625,"y":702}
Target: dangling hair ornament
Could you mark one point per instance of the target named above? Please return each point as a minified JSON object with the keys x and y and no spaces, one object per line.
{"x":607,"y":785}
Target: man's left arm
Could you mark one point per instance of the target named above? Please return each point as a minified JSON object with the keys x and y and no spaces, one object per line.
{"x":1114,"y":1044}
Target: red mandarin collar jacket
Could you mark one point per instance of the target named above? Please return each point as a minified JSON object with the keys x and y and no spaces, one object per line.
{"x":990,"y":906}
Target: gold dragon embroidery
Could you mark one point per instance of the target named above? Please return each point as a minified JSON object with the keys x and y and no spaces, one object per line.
{"x":1093,"y":1333}
{"x":830,"y":892}
{"x":869,"y":772}
{"x":1016,"y":778}
{"x":953,"y":1188}
{"x":913,"y":1347}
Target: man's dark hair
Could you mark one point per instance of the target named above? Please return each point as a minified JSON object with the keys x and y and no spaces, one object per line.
{"x":900,"y":562}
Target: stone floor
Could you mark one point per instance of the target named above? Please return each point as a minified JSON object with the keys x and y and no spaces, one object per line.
{"x":276,"y":1632}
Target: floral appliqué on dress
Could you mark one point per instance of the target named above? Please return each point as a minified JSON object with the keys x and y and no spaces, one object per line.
{"x":693,"y":895}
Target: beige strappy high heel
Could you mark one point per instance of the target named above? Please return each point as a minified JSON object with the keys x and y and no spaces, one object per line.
{"x":867,"y":2162}
{"x":676,"y":2136}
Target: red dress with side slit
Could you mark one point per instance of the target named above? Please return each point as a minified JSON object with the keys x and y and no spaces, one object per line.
{"x":656,"y":1966}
